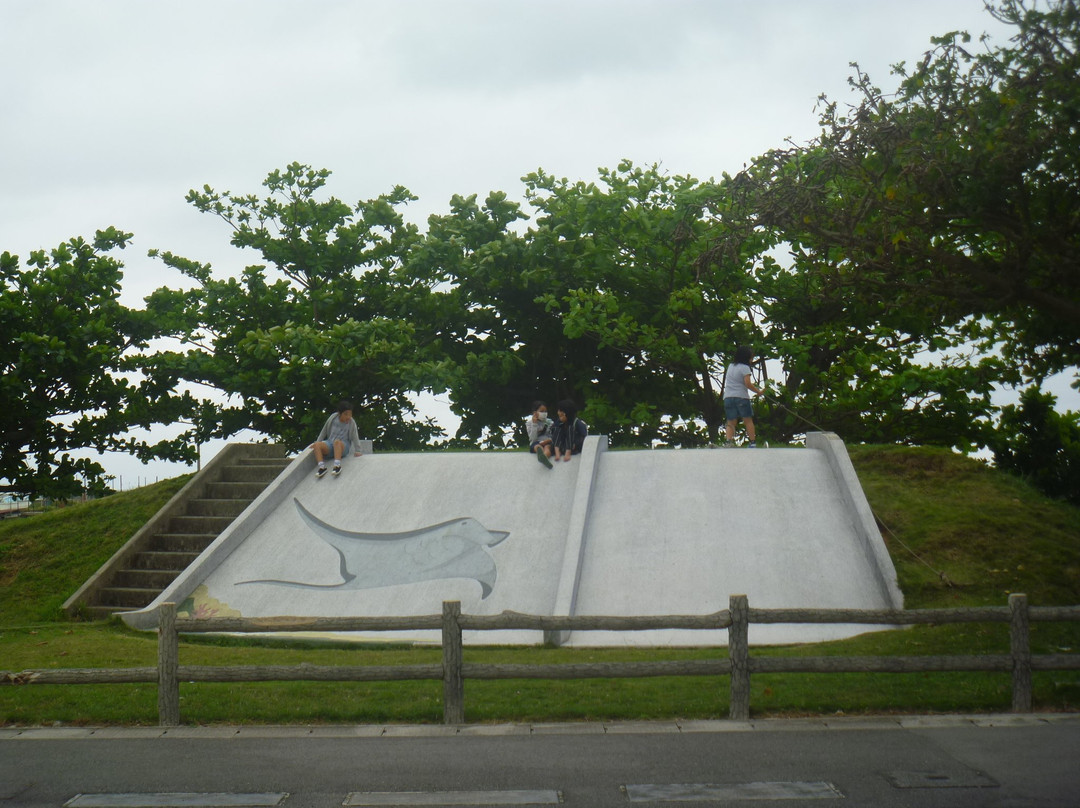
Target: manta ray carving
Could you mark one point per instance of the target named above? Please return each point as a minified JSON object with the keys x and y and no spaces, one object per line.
{"x":454,"y":549}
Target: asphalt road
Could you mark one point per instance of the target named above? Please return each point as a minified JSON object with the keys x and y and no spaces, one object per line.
{"x":1002,"y":760}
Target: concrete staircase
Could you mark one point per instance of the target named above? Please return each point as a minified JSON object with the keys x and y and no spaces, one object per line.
{"x":180,"y":531}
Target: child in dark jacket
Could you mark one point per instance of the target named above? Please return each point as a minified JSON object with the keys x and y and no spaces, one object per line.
{"x":569,"y":431}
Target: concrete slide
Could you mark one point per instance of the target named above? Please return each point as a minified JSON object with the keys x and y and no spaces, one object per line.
{"x":642,"y":532}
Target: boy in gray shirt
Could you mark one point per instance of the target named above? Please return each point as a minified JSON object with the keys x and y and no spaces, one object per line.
{"x":338,"y":437}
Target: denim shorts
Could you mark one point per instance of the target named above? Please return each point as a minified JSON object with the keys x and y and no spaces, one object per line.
{"x":346,"y":447}
{"x":738,"y":408}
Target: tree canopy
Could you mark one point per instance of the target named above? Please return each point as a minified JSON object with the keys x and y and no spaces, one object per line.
{"x":71,"y":377}
{"x":330,"y":316}
{"x":959,"y":193}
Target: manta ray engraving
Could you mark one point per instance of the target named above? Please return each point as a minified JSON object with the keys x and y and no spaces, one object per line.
{"x":453,"y":549}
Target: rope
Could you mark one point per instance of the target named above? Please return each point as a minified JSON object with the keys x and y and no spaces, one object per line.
{"x":941,"y":575}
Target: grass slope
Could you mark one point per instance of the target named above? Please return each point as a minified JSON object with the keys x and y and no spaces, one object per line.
{"x":959,"y":533}
{"x":45,"y":558}
{"x":963,"y":534}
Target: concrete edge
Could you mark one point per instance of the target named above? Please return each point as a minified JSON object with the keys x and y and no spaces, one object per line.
{"x":862,"y":516}
{"x":231,"y":538}
{"x":987,"y":721}
{"x":574,"y":548}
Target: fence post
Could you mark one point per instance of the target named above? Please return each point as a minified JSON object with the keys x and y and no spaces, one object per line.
{"x":739,"y":654}
{"x":168,"y":699}
{"x":1020,"y":646}
{"x":453,"y":680}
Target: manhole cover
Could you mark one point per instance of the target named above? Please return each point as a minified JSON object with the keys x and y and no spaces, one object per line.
{"x":968,"y":779}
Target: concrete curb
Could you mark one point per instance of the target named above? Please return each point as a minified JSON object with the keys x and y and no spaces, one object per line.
{"x":816,"y":724}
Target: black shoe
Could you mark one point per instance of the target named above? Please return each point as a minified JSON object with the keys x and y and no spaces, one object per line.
{"x":320,"y":472}
{"x":337,"y":470}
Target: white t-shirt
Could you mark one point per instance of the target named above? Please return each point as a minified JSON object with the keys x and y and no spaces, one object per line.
{"x":734,"y":381}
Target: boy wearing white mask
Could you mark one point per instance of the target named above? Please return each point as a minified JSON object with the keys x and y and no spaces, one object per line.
{"x":539,"y":429}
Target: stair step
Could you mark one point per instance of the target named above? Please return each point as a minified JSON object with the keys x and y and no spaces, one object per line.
{"x":162,"y":560}
{"x":199,"y":524}
{"x":217,"y":507}
{"x":157,"y":562}
{"x":182,"y":542}
{"x":250,"y":474}
{"x":105,"y":612}
{"x":127,"y":596}
{"x":234,"y":490}
{"x":145,"y":579}
{"x":279,"y":462}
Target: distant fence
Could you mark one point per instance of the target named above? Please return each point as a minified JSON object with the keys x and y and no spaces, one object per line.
{"x":22,"y":507}
{"x":453,"y":670}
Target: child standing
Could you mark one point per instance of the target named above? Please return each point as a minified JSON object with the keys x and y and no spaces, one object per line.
{"x":737,"y":387}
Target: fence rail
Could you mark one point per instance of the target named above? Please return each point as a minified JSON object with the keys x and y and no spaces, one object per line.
{"x":453,"y":670}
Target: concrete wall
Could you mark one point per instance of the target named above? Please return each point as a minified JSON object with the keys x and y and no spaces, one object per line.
{"x":610,"y":532}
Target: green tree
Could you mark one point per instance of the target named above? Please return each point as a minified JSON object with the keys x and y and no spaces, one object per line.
{"x":652,"y":277}
{"x":72,"y":360}
{"x":656,"y":279}
{"x":1041,"y":445}
{"x":869,"y":368}
{"x":629,"y":295}
{"x":331,"y":315}
{"x":957,"y":194}
{"x":494,"y":332}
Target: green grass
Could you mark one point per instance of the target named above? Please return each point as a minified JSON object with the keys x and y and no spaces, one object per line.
{"x":959,"y":533}
{"x":45,"y":558}
{"x":962,"y":533}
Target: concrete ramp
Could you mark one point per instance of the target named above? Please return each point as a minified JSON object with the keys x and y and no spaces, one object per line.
{"x":646,"y":532}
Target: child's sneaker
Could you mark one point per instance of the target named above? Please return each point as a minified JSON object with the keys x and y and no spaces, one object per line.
{"x":337,"y":470}
{"x":320,"y":472}
{"x":543,"y":458}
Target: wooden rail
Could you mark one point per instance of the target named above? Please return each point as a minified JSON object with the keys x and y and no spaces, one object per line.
{"x":453,"y":670}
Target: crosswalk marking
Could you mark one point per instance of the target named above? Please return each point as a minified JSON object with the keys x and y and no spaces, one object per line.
{"x":176,"y":800}
{"x":699,"y":792}
{"x":446,"y":798}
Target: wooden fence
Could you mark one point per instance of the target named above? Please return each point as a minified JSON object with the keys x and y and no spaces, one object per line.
{"x":453,"y":670}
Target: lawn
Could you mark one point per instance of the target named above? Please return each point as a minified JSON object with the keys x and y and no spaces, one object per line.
{"x":959,"y":533}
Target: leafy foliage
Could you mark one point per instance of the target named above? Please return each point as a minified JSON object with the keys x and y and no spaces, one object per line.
{"x":501,"y":346}
{"x":629,"y":281}
{"x":333,"y":317}
{"x":71,"y":361}
{"x":1041,"y":445}
{"x":957,"y":196}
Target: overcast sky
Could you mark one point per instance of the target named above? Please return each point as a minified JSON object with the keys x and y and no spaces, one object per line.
{"x":113,"y":109}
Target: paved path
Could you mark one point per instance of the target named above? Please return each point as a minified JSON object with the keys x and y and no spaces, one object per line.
{"x":936,"y":762}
